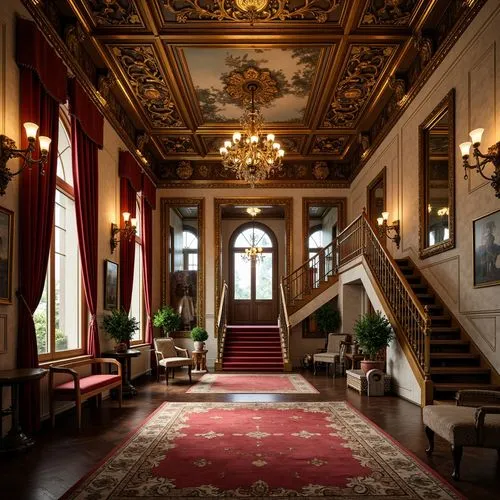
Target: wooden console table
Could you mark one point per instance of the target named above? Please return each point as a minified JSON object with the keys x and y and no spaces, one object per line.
{"x":356,"y":379}
{"x":16,"y":439}
{"x":124,"y":358}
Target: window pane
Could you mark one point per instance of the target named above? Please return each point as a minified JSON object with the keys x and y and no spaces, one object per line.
{"x":253,"y":236}
{"x":241,"y":277}
{"x":264,"y":277}
{"x":192,"y":262}
{"x":64,"y":170}
{"x":41,"y":319}
{"x":189,"y":240}
{"x":67,"y":277}
{"x":136,"y":304}
{"x":316,"y":239}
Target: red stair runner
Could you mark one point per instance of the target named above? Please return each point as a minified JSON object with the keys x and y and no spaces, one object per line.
{"x":253,"y":348}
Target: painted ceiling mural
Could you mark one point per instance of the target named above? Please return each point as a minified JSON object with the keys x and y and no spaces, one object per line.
{"x":331,"y":77}
{"x":284,"y":76}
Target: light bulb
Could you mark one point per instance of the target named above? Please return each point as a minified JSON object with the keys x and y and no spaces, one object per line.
{"x":281,"y":153}
{"x":44,"y":143}
{"x":254,"y":139}
{"x":126,"y":216}
{"x":476,"y":135}
{"x":227,"y":144}
{"x":465,"y":148}
{"x":276,"y":145}
{"x":380,"y":221}
{"x":133,"y":222}
{"x":385,"y":215}
{"x":236,"y":137}
{"x":31,"y":130}
{"x":270,"y":137}
{"x":223,"y":151}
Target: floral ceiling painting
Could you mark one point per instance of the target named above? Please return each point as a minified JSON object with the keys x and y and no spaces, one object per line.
{"x":284,"y":78}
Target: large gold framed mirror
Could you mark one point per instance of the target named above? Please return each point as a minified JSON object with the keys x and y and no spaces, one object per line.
{"x":437,"y":179}
{"x":182,"y":260}
{"x":322,"y":221}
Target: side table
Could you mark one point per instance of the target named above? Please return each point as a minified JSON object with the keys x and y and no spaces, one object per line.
{"x":356,"y":379}
{"x":16,"y":439}
{"x":124,"y":358}
{"x":199,"y":361}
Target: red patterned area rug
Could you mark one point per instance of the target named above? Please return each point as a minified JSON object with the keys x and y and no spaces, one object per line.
{"x":260,"y":450}
{"x":253,"y":383}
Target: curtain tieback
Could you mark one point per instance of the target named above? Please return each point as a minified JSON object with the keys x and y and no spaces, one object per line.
{"x":93,"y":319}
{"x":20,"y":296}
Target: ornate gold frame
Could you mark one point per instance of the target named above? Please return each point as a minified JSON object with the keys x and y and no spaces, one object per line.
{"x":287,"y":203}
{"x":448,"y":103}
{"x":339,"y":203}
{"x":166,"y":204}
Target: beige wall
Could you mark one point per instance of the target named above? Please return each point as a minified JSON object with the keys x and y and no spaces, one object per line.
{"x":472,"y":69}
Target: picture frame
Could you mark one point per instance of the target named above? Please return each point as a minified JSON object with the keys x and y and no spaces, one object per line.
{"x":3,"y":333}
{"x":6,"y":239}
{"x":486,"y":249}
{"x":110,"y":285}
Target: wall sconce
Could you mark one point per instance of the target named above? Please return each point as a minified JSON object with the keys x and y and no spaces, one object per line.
{"x":8,"y":150}
{"x":493,"y":156}
{"x":384,"y":228}
{"x":127,"y":232}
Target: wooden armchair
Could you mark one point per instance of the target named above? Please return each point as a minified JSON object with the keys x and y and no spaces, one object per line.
{"x":168,"y":355}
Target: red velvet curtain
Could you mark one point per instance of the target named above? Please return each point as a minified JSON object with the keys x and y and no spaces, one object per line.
{"x":130,"y":184}
{"x":148,"y":204}
{"x":85,"y":179}
{"x":41,"y":92}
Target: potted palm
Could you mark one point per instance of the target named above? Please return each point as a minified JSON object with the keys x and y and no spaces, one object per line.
{"x":373,"y":332}
{"x":120,"y":327}
{"x":328,"y":319}
{"x":199,"y":335}
{"x":167,"y":319}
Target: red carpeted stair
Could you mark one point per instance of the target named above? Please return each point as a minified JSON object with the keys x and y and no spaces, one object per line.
{"x":252,"y":348}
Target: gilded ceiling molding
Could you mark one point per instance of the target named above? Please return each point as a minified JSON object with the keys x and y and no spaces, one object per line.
{"x":251,"y":11}
{"x":388,"y":12}
{"x":142,"y":70}
{"x":179,"y":145}
{"x":233,"y":184}
{"x":114,"y":13}
{"x":330,"y":145}
{"x":365,"y":65}
{"x":237,"y":83}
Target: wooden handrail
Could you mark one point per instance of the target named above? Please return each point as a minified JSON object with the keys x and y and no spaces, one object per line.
{"x":221,"y":304}
{"x":284,"y":326}
{"x":221,"y":323}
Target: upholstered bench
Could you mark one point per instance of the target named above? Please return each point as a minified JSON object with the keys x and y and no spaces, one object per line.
{"x":474,"y":421}
{"x":80,"y":388}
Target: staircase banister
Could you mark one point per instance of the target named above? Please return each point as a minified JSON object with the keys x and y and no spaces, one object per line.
{"x":221,"y":304}
{"x":283,"y":301}
{"x":398,"y":272}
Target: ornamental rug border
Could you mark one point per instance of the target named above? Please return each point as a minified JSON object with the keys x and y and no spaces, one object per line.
{"x":395,"y":472}
{"x":296,"y":383}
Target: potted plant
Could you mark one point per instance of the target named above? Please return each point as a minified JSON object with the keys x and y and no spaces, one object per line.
{"x":328,"y":319}
{"x":167,"y":319}
{"x":373,"y":332}
{"x":199,"y":335}
{"x":120,"y":327}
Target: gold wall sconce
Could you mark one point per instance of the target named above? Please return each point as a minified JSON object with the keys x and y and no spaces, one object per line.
{"x":8,"y":150}
{"x":493,"y":156}
{"x":127,"y":232}
{"x":384,"y":228}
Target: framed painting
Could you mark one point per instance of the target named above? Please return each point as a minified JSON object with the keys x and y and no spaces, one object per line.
{"x":6,"y":236}
{"x":110,"y":285}
{"x":486,"y":236}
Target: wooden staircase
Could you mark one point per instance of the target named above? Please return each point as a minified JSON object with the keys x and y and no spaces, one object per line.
{"x":454,"y":362}
{"x":311,"y":293}
{"x":253,"y":348}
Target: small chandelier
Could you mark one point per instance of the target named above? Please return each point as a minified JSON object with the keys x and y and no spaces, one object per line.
{"x":254,"y":253}
{"x":251,"y":157}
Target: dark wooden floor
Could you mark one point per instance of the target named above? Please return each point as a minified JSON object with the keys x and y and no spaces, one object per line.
{"x":62,"y":456}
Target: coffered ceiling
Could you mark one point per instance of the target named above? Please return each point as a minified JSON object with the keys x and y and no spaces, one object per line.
{"x":330,"y":75}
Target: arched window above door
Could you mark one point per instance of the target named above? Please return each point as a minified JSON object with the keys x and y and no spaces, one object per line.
{"x":253,"y":236}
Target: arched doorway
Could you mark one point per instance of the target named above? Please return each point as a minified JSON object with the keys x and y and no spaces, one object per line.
{"x":253,"y":289}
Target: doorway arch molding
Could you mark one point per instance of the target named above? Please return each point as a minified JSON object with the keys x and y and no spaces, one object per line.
{"x":219,"y":203}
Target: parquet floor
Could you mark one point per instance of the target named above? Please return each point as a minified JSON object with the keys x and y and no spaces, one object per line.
{"x":62,"y":456}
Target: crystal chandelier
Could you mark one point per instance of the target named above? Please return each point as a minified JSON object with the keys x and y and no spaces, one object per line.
{"x":251,"y":157}
{"x":254,"y":252}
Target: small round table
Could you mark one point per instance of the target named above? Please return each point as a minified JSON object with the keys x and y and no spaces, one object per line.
{"x":124,"y":358}
{"x":199,"y":361}
{"x":16,"y":439}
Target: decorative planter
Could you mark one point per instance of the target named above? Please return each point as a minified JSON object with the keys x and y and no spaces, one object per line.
{"x":199,"y":346}
{"x":121,"y":347}
{"x":367,"y":365}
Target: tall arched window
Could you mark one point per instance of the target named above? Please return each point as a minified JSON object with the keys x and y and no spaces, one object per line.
{"x":136,"y":304}
{"x":58,"y":317}
{"x":190,"y":248}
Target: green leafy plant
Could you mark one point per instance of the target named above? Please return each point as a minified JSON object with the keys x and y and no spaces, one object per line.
{"x":373,"y":332}
{"x":199,"y":334}
{"x":167,"y":319}
{"x":327,"y":318}
{"x":120,"y":326}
